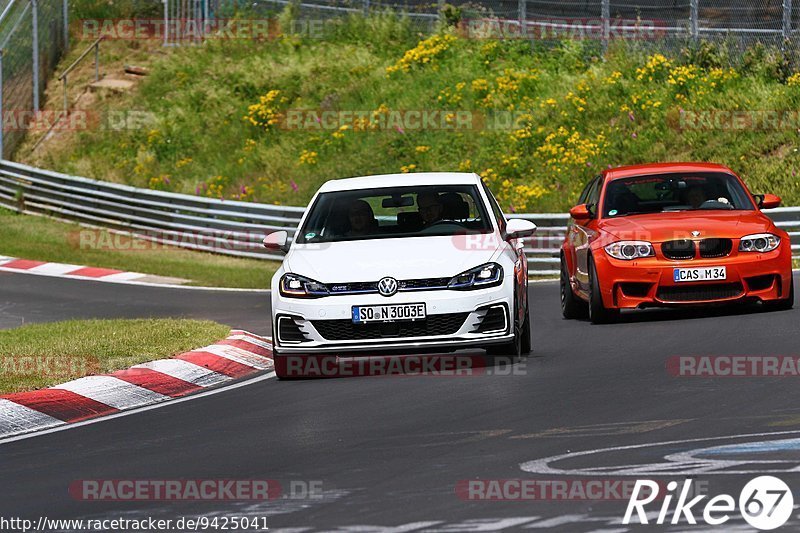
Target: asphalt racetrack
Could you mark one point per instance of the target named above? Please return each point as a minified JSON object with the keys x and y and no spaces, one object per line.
{"x":394,"y":453}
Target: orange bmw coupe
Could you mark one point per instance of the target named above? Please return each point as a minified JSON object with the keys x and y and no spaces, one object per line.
{"x":672,"y":234}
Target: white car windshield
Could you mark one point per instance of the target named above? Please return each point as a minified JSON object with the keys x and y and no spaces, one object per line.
{"x":395,"y":212}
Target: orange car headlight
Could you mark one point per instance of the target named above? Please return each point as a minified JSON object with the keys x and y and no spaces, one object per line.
{"x":629,"y":250}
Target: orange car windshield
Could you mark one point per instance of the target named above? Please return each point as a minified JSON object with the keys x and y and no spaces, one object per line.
{"x":675,"y":192}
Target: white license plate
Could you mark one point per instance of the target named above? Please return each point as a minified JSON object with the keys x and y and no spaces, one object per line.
{"x":387,"y":313}
{"x":699,"y":274}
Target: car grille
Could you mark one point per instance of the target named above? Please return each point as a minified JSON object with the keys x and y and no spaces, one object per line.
{"x":700,"y":293}
{"x":402,"y":285}
{"x":715,"y":247}
{"x":345,"y":330}
{"x":680,"y":249}
{"x":289,"y":331}
{"x":493,"y":320}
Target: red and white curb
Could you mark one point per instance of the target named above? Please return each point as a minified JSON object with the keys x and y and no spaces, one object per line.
{"x":63,"y":270}
{"x":239,"y":355}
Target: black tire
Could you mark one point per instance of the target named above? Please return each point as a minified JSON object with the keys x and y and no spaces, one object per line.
{"x":786,"y":304}
{"x":598,"y":313}
{"x":526,"y":333}
{"x":572,"y":307}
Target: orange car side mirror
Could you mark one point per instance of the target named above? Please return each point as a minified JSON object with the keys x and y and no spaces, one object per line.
{"x":769,"y":201}
{"x":580,"y":212}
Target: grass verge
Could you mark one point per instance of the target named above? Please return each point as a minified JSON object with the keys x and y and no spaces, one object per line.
{"x":243,"y":119}
{"x":42,"y":355}
{"x":43,"y":239}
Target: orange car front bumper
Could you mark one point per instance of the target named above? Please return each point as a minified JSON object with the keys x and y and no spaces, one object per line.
{"x":650,"y":282}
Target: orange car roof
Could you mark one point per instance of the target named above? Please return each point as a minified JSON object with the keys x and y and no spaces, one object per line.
{"x":662,"y":168}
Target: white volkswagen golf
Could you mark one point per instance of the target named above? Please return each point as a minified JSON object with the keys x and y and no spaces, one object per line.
{"x":401,"y":263}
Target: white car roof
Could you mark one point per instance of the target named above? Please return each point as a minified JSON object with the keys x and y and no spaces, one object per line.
{"x":400,"y":180}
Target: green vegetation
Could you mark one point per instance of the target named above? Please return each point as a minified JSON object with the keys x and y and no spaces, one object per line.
{"x":43,"y":239}
{"x":221,"y":113}
{"x":42,"y":355}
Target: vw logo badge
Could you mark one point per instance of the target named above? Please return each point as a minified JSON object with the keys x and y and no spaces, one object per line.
{"x":695,"y":233}
{"x":387,"y":286}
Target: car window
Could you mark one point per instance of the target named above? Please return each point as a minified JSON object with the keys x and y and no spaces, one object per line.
{"x":675,"y":192}
{"x":585,"y":193}
{"x":394,"y":212}
{"x":498,"y":213}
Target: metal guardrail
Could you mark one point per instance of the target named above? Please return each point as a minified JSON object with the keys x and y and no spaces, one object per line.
{"x":224,"y":226}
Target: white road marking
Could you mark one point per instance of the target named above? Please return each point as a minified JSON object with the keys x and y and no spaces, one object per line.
{"x":121,"y":276}
{"x":112,"y":391}
{"x":54,"y":269}
{"x":98,"y":420}
{"x":15,"y":418}
{"x":542,"y":466}
{"x":178,"y":368}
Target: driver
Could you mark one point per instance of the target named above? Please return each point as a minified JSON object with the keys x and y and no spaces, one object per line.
{"x":430,"y":207}
{"x":696,"y":196}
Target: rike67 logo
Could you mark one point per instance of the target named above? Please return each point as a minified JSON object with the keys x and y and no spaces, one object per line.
{"x":765,"y":503}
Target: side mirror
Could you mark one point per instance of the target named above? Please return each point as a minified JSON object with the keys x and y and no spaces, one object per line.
{"x":276,"y":241}
{"x":517,"y":228}
{"x":768,"y":201}
{"x":580,"y":213}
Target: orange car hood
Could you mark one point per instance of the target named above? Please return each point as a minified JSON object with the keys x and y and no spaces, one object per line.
{"x":660,"y":227}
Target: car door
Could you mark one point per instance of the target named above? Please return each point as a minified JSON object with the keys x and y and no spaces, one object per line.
{"x":580,"y":235}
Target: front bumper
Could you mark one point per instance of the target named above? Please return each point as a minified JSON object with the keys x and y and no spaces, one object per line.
{"x":453,"y":318}
{"x":649,"y":282}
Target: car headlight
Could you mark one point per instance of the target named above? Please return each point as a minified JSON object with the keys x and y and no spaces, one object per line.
{"x":759,"y":242}
{"x":629,"y":250}
{"x":487,"y":275}
{"x":295,"y":286}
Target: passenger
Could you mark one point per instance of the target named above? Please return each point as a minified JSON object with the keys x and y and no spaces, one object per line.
{"x":362,"y":219}
{"x":696,"y":196}
{"x":430,"y":207}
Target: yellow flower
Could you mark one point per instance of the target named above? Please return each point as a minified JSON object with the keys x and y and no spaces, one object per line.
{"x":408,"y":168}
{"x":422,"y":149}
{"x":308,"y":157}
{"x":424,"y":53}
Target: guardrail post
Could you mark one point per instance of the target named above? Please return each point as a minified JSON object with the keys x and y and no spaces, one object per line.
{"x":65,"y":7}
{"x":522,"y":11}
{"x":35,"y":65}
{"x":787,"y":19}
{"x":694,"y":24}
{"x":605,"y":16}
{"x":366,"y":7}
{"x":2,"y":110}
{"x":166,"y":21}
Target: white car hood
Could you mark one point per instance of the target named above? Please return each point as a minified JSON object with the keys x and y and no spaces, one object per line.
{"x":370,"y":260}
